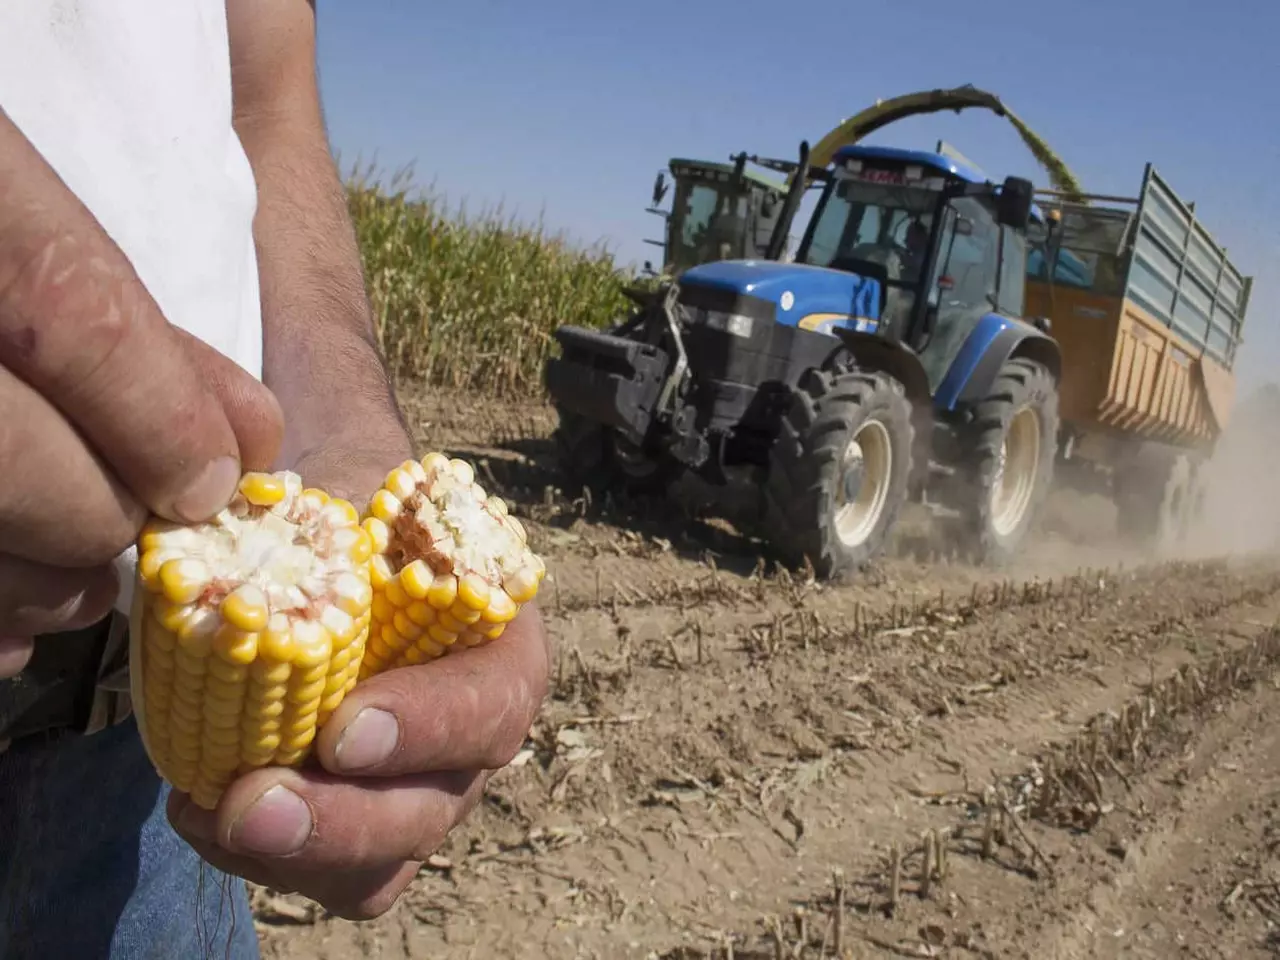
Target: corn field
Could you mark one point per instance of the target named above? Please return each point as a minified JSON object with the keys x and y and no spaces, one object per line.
{"x":471,"y":302}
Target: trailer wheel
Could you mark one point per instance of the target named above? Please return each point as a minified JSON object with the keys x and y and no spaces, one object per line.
{"x":1176,"y":506}
{"x":596,"y":457}
{"x":1159,"y":496}
{"x":1008,"y":461}
{"x":838,"y":470}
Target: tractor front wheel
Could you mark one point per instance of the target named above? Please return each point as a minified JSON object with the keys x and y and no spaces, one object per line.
{"x":1008,"y":461}
{"x":596,"y":457}
{"x":838,"y":470}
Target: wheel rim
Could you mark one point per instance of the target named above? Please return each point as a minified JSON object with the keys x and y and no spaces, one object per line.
{"x":1015,"y":479}
{"x":865,"y":469}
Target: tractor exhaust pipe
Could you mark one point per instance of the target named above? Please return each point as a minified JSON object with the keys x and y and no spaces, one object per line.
{"x":799,"y":183}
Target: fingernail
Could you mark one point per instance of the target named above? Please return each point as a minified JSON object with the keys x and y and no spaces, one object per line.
{"x":210,"y":492}
{"x":367,"y":740}
{"x":277,"y":824}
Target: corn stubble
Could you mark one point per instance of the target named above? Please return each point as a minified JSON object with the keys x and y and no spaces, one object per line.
{"x":248,"y":631}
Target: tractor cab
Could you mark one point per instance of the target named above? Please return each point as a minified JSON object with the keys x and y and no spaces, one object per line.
{"x":718,"y":212}
{"x":933,"y":244}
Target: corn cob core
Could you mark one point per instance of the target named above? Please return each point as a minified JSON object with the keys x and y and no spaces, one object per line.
{"x":246,"y":631}
{"x":451,"y":567}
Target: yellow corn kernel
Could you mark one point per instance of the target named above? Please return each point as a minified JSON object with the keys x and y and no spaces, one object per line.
{"x":396,"y":593}
{"x":345,"y":508}
{"x":400,"y":483}
{"x":385,"y":507}
{"x":263,"y":489}
{"x":183,"y":580}
{"x":246,"y":607}
{"x":416,"y":580}
{"x":380,"y":572}
{"x":241,"y":643}
{"x":473,"y":591}
{"x":379,"y":533}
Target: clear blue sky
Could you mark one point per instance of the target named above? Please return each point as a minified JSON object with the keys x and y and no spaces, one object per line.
{"x":568,"y":108}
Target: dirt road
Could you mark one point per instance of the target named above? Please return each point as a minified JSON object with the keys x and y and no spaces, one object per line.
{"x":935,"y":761}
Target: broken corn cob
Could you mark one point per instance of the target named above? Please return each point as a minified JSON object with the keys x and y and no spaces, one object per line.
{"x":247,"y":631}
{"x":450,"y":569}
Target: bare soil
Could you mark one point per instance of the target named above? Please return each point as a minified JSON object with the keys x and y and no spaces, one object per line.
{"x":1074,"y":758}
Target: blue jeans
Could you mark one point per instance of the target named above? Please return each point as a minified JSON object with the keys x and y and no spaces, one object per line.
{"x":90,"y":868}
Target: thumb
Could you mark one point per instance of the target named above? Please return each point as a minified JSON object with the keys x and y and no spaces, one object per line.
{"x":251,"y":409}
{"x":469,"y":710}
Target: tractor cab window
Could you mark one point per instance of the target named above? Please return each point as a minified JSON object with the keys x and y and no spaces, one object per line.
{"x":966,"y":268}
{"x":963,"y":285}
{"x":881,"y":223}
{"x":1011,"y":298}
{"x":708,"y":221}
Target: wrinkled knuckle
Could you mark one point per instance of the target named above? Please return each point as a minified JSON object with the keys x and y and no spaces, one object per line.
{"x":104,"y":333}
{"x":69,"y":292}
{"x":25,"y":285}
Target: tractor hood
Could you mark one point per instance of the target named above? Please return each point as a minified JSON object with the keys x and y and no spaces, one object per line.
{"x":809,"y":297}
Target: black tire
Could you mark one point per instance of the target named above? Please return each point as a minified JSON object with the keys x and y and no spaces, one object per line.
{"x":990,"y":536}
{"x":1157,"y":498}
{"x":593,"y":456}
{"x":804,"y":487}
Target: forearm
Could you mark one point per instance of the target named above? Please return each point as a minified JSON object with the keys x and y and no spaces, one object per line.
{"x":320,"y":353}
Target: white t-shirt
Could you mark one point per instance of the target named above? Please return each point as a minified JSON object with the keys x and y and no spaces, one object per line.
{"x":130,"y":102}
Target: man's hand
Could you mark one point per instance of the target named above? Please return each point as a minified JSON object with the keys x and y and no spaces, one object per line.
{"x":401,"y":762}
{"x":405,"y":758}
{"x":109,"y":412}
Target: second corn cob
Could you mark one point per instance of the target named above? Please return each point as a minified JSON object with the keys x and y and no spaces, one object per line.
{"x":451,"y":567}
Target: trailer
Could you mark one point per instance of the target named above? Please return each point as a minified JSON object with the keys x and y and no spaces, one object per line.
{"x":1148,"y":312}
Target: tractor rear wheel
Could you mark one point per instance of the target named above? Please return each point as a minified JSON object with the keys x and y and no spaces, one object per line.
{"x":1008,"y":460}
{"x":838,"y":470}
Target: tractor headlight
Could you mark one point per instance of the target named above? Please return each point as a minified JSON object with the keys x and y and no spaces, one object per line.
{"x":734,"y":324}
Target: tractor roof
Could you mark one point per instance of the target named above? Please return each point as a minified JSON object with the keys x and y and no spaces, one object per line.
{"x":753,"y":175}
{"x":938,"y":161}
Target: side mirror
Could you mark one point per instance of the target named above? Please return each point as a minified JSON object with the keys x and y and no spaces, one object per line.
{"x":659,"y":188}
{"x":768,"y":206}
{"x":1013,"y":203}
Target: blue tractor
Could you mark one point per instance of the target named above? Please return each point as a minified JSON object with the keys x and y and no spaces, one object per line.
{"x":888,"y":360}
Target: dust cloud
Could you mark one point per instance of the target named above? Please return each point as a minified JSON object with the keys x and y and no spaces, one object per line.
{"x":1241,"y":510}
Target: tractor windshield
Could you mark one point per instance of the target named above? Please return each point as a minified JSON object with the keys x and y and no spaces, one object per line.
{"x":860,"y":222}
{"x":881,"y":223}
